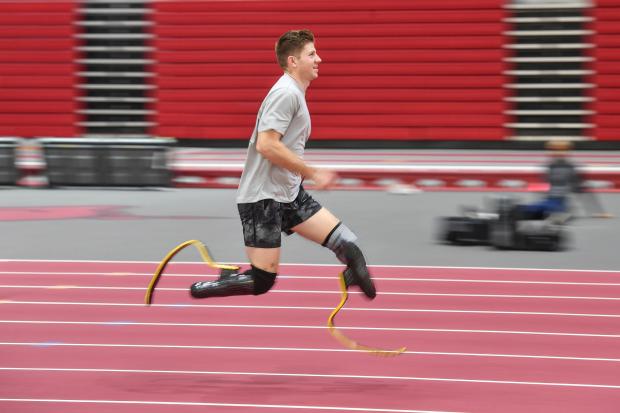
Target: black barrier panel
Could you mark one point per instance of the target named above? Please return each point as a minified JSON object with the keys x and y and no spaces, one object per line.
{"x":107,"y":162}
{"x":8,"y":169}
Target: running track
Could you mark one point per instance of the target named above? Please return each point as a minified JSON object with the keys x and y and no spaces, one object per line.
{"x":75,"y":337}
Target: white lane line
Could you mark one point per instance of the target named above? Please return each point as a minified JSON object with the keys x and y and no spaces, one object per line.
{"x":426,"y":330}
{"x":301,"y":349}
{"x":310,"y":375}
{"x":206,"y":404}
{"x":114,"y":288}
{"x":282,"y":307}
{"x":155,"y":263}
{"x":312,"y":277}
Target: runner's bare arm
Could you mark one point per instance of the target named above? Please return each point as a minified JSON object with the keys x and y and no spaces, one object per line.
{"x":268,"y":144}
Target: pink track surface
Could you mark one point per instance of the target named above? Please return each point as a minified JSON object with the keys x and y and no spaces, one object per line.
{"x":75,"y":337}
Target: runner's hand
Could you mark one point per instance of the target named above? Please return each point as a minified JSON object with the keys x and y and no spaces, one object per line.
{"x":324,"y":179}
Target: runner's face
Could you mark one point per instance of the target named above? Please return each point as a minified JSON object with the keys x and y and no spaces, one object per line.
{"x":307,"y":63}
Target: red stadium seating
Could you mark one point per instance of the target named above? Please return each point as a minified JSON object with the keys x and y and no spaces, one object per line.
{"x":36,"y":44}
{"x":366,"y":133}
{"x":41,"y":32}
{"x":327,"y":16}
{"x":608,"y":3}
{"x":35,"y":18}
{"x":336,"y":68}
{"x":329,"y":30}
{"x":607,"y":68}
{"x":28,"y":107}
{"x":391,"y":69}
{"x":37,"y":130}
{"x":319,"y":107}
{"x":321,"y":5}
{"x":23,"y":69}
{"x":54,"y":6}
{"x":37,"y":70}
{"x":29,"y":95}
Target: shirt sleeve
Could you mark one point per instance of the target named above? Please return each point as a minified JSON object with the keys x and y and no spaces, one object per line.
{"x":280,"y":108}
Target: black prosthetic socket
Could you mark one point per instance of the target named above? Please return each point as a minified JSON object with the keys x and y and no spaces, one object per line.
{"x":226,"y":285}
{"x":252,"y":281}
{"x":356,"y":272}
{"x":341,"y":240}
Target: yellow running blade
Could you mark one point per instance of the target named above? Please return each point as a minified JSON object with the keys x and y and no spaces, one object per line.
{"x":204,"y":253}
{"x":346,"y":341}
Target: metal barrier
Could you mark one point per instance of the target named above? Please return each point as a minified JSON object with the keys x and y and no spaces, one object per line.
{"x":107,"y":162}
{"x":8,"y":169}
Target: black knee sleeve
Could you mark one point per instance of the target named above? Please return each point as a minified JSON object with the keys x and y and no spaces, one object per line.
{"x":263,"y":280}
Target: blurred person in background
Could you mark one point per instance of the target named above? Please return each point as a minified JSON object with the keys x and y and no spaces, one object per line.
{"x":564,"y":179}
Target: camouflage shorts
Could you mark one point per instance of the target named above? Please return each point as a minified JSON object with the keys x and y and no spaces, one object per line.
{"x":264,"y":221}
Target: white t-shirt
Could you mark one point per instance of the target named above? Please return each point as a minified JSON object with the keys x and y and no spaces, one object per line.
{"x":283,"y":110}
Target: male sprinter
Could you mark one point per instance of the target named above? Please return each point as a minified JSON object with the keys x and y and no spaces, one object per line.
{"x":271,"y":198}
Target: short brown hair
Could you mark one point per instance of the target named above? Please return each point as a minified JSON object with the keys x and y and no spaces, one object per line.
{"x":291,"y":43}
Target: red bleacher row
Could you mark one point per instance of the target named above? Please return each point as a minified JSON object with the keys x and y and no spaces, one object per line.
{"x":38,"y":74}
{"x":392,"y":69}
{"x":606,"y":65}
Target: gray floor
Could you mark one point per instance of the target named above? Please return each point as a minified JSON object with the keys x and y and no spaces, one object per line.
{"x":143,"y":225}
